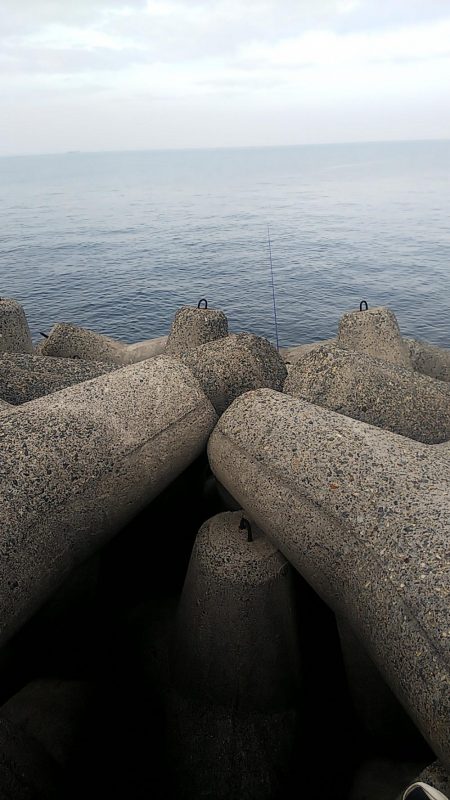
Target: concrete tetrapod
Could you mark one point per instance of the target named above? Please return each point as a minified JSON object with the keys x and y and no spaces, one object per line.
{"x":234,"y":666}
{"x":291,"y":355}
{"x":25,"y":377}
{"x":373,"y":391}
{"x":234,"y":364}
{"x":429,"y":359}
{"x":78,"y":464}
{"x":148,"y":348}
{"x":375,"y":332}
{"x":15,"y":334}
{"x":192,"y":327}
{"x":364,"y":515}
{"x":70,"y":341}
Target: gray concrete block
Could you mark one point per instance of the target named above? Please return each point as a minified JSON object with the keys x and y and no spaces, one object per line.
{"x":373,"y":391}
{"x":140,"y":351}
{"x":4,"y":406}
{"x":364,"y":515}
{"x":69,"y":341}
{"x":80,"y":463}
{"x":233,"y":365}
{"x":192,"y":327}
{"x":291,"y":355}
{"x":374,"y":332}
{"x":428,"y":359}
{"x":15,"y":334}
{"x":234,"y":666}
{"x":26,"y":377}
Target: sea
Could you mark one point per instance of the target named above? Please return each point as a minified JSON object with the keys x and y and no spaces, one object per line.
{"x":118,"y":241}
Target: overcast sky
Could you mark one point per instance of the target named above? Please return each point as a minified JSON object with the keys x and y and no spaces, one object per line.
{"x":139,"y":74}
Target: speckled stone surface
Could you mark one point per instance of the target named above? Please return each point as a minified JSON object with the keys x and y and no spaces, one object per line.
{"x":15,"y":334}
{"x":25,"y":377}
{"x":429,"y":359}
{"x":291,"y":355}
{"x":69,"y":341}
{"x":234,"y":665}
{"x":373,"y":391}
{"x":5,"y":406}
{"x":78,"y":464}
{"x":364,"y":515}
{"x":233,"y":365}
{"x":192,"y":327}
{"x":374,"y":332}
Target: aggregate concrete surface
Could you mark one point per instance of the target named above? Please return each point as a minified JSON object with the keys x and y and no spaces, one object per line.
{"x":79,"y":463}
{"x":234,"y":364}
{"x":25,"y":377}
{"x":364,"y":515}
{"x":374,"y":391}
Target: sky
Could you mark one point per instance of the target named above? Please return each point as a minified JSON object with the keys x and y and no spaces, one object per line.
{"x":140,"y":74}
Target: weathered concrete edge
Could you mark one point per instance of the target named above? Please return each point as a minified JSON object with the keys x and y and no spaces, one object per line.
{"x":84,"y":526}
{"x":376,"y":636}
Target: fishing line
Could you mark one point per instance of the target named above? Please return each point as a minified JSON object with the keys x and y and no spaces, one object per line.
{"x":273,"y":287}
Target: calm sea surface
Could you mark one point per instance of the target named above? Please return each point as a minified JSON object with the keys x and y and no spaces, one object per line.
{"x":118,"y":241}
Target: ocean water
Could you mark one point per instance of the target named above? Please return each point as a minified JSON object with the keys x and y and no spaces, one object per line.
{"x":117,"y":242}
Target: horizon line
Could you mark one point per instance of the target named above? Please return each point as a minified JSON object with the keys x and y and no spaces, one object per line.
{"x":190,"y":148}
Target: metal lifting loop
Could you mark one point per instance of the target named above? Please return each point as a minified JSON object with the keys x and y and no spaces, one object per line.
{"x":245,"y":525}
{"x":203,"y":300}
{"x":363,"y":303}
{"x":45,"y":335}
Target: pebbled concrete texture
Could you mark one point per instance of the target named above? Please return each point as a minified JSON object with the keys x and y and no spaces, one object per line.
{"x":69,"y":341}
{"x":235,"y":668}
{"x":25,"y":377}
{"x":4,"y":406}
{"x":15,"y":334}
{"x":233,"y":365}
{"x":364,"y":515}
{"x":373,"y":391}
{"x":80,"y":463}
{"x":192,"y":327}
{"x":291,"y":355}
{"x":374,"y":332}
{"x":428,"y":359}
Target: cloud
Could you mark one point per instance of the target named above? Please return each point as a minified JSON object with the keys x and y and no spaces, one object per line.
{"x":227,"y":60}
{"x":326,"y":48}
